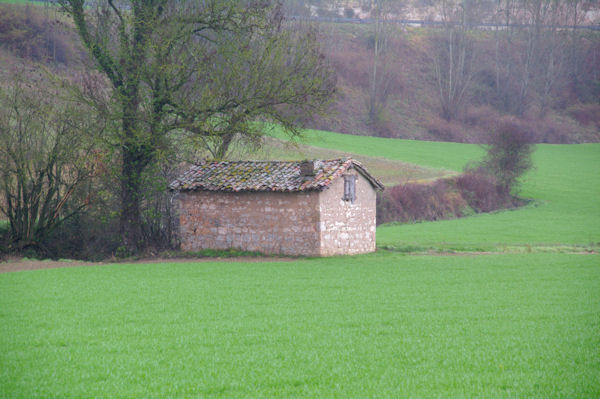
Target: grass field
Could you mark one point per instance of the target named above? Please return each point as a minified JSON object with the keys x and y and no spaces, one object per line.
{"x":566,"y":188}
{"x":383,"y":325}
{"x":432,"y":154}
{"x":389,"y":171}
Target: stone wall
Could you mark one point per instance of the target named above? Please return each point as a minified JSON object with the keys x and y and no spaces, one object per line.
{"x":268,"y":222}
{"x":298,"y":223}
{"x":347,"y":228}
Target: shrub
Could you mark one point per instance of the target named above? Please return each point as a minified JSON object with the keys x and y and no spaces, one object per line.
{"x":586,"y":114}
{"x":483,"y":116}
{"x":87,"y":236}
{"x":480,"y":191}
{"x":46,"y":148}
{"x":508,"y":157}
{"x":484,"y":188}
{"x":415,"y":202}
{"x":473,"y":191}
{"x":441,"y":129}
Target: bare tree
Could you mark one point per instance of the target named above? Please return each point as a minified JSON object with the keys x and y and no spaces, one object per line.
{"x":376,"y":103}
{"x":452,"y":61}
{"x":381,"y":75}
{"x":533,"y":54}
{"x":46,"y":157}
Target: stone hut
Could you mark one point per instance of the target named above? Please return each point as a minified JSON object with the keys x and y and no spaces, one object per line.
{"x":312,"y":208}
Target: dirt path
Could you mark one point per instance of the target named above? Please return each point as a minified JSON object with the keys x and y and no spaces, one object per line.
{"x":17,"y":264}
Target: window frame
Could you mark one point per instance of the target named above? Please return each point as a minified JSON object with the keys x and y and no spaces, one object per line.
{"x":350,"y":188}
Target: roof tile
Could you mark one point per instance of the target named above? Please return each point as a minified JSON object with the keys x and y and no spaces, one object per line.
{"x":235,"y":176}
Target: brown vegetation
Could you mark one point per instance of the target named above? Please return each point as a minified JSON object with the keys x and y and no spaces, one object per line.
{"x":471,"y":192}
{"x":490,"y":185}
{"x":559,"y":102}
{"x":36,"y":34}
{"x":555,"y":94}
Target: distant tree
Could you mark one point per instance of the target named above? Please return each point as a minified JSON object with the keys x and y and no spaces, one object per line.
{"x":509,"y":149}
{"x":453,"y":54}
{"x":535,"y":60}
{"x":209,"y":69}
{"x":47,"y":159}
{"x":379,"y":87}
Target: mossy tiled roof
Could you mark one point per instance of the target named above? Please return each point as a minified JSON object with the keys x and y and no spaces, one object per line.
{"x":236,"y":176}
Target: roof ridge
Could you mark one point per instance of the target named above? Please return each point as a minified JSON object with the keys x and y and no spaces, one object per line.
{"x":265,"y":175}
{"x":274,"y":161}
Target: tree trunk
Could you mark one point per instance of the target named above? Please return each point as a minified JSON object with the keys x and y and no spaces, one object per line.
{"x":130,"y":221}
{"x":134,"y":160}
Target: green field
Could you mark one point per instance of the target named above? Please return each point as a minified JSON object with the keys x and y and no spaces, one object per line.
{"x":380,"y":325}
{"x":566,"y":188}
{"x":520,"y":324}
{"x":432,"y":154}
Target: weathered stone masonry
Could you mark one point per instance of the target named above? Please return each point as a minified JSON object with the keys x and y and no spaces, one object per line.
{"x":346,"y":227}
{"x":316,"y":221}
{"x":279,"y":223}
{"x":313,"y":223}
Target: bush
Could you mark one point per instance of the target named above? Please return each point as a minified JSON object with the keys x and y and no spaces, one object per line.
{"x":473,"y":191}
{"x":586,"y":114}
{"x":483,"y":116}
{"x":45,"y":152}
{"x":480,"y":191}
{"x":415,"y":202}
{"x":508,"y":157}
{"x":443,"y":130}
{"x":88,"y":236}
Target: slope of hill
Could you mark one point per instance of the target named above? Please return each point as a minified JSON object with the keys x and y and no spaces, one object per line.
{"x":557,"y":99}
{"x":564,"y":185}
{"x":401,"y":98}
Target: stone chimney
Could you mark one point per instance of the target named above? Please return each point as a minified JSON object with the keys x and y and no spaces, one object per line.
{"x":307,"y":168}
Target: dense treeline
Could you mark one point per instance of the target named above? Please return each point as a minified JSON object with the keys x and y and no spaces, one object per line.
{"x":400,"y":84}
{"x":491,"y":184}
{"x":454,"y":82}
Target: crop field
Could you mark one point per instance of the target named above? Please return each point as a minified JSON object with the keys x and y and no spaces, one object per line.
{"x":382,"y":325}
{"x":502,"y":305}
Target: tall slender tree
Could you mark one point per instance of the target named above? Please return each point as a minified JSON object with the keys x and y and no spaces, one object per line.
{"x":453,"y":60}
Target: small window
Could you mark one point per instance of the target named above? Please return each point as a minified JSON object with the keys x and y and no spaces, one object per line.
{"x":349,"y":188}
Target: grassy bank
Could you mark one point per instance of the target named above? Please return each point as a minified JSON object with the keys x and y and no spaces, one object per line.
{"x":565,"y":187}
{"x":441,"y":155}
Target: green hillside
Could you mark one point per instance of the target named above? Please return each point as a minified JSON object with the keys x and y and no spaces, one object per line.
{"x":433,"y":154}
{"x":564,"y":187}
